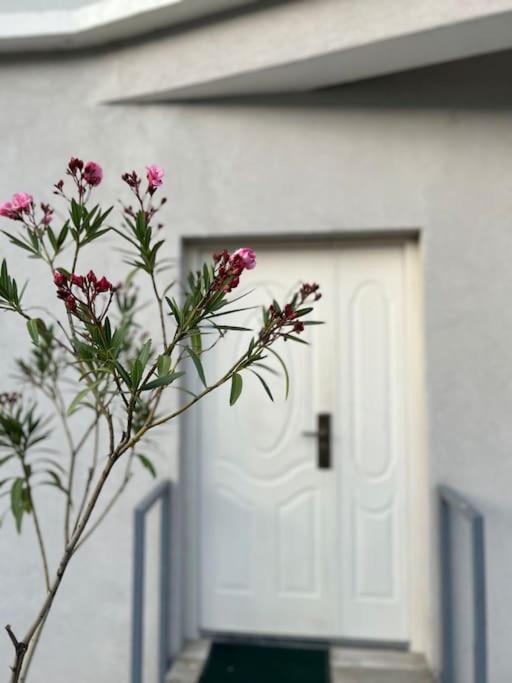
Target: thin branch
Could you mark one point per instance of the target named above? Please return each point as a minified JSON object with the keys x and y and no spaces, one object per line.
{"x":113,"y":500}
{"x":160,"y":309}
{"x":40,"y":541}
{"x":90,"y":475}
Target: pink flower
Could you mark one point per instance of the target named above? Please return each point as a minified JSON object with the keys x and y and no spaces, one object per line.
{"x":103,"y":285}
{"x":71,"y":303}
{"x":6,"y":210}
{"x":155,"y":175}
{"x":93,"y":173}
{"x":246,"y":255}
{"x":77,"y":280}
{"x":75,"y":165}
{"x":22,"y":201}
{"x":59,"y":278}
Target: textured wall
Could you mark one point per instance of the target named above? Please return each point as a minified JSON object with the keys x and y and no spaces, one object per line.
{"x":429,"y":150}
{"x":41,"y":5}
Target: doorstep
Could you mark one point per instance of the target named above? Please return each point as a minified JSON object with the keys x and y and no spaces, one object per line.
{"x":347,"y":665}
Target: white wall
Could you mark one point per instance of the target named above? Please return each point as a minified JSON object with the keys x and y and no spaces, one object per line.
{"x":427,"y":150}
{"x":41,"y":5}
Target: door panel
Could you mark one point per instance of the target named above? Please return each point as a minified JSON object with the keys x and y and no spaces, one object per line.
{"x":372,"y":468}
{"x":288,"y":548}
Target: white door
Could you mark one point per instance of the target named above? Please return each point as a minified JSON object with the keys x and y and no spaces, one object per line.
{"x":289,"y":548}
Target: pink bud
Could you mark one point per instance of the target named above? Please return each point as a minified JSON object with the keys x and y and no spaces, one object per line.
{"x":77,"y":279}
{"x":103,"y":285}
{"x":71,"y":303}
{"x":59,"y":278}
{"x":75,"y":165}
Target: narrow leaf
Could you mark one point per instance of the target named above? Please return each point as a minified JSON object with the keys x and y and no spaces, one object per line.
{"x":198,"y":365}
{"x":236,"y":388}
{"x":147,"y":464}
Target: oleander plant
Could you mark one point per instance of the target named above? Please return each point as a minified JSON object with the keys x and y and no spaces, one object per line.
{"x":90,"y":356}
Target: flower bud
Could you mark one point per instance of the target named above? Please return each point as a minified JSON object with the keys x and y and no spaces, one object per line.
{"x":59,"y":278}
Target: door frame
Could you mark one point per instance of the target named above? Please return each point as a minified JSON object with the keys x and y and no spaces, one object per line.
{"x":420,"y":537}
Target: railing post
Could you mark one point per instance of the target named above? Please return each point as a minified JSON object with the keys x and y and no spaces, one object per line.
{"x":138,"y":595}
{"x":161,"y":492}
{"x":446,"y":594}
{"x":479,"y":601}
{"x":165,"y":584}
{"x":450,"y":501}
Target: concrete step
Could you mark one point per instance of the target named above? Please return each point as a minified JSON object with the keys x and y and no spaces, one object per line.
{"x":347,"y":665}
{"x":377,"y":666}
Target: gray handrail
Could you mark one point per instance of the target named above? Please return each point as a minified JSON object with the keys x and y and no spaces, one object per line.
{"x":161,"y":492}
{"x":451,"y":501}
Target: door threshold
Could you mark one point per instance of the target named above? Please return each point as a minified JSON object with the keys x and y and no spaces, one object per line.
{"x":303,"y":641}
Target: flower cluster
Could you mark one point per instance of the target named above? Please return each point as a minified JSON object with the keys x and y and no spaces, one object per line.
{"x":154,"y":175}
{"x":20,"y":204}
{"x":229,"y":267}
{"x":307,"y":290}
{"x":281,"y":322}
{"x":9,"y":399}
{"x":68,"y":286}
{"x":84,"y":175}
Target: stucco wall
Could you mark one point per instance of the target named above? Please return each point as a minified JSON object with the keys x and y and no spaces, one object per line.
{"x":426,"y":150}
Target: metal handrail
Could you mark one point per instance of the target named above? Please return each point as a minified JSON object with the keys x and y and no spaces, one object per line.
{"x":161,"y":492}
{"x":451,"y":501}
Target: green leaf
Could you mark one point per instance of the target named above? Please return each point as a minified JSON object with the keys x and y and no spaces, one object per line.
{"x":175,"y":310}
{"x":163,"y":365}
{"x":55,"y":481}
{"x":285,"y":370}
{"x":124,"y":374}
{"x":75,"y":403}
{"x":236,"y":388}
{"x":195,"y":338}
{"x":35,"y":326}
{"x":147,"y":464}
{"x":291,"y":337}
{"x":76,"y":214}
{"x":264,"y":384}
{"x":161,"y":381}
{"x":145,"y":353}
{"x":198,"y":365}
{"x":137,"y":370}
{"x":17,"y":502}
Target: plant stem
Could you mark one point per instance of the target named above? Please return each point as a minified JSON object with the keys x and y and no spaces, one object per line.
{"x":40,"y":543}
{"x":90,"y":475}
{"x":22,"y":647}
{"x":112,"y":502}
{"x":160,"y":309}
{"x":61,"y":409}
{"x":31,"y":650}
{"x":39,"y":533}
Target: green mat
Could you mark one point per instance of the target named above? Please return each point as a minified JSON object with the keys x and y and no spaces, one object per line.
{"x":231,"y":663}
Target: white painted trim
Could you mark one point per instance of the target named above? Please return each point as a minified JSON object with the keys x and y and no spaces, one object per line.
{"x":100,"y":22}
{"x":420,"y":540}
{"x":421,"y":596}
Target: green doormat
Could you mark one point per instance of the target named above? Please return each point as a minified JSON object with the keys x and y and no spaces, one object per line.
{"x":230,"y":663}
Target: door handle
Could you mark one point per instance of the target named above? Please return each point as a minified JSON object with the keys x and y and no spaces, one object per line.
{"x":323,"y":436}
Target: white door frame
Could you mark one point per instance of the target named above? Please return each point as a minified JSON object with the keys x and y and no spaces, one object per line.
{"x":418,"y":494}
